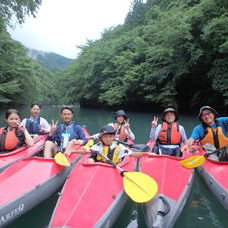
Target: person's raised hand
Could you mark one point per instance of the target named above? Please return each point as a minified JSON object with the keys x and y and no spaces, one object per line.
{"x":154,"y":122}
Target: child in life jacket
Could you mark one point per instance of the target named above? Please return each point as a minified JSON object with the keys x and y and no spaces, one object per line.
{"x":107,"y":146}
{"x":14,"y":135}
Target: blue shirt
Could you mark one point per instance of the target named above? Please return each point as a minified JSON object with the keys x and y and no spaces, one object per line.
{"x":198,"y":132}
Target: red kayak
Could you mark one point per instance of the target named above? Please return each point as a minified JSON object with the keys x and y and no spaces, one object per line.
{"x":214,"y":174}
{"x":28,"y":182}
{"x":6,"y":159}
{"x":174,"y":184}
{"x":93,"y":196}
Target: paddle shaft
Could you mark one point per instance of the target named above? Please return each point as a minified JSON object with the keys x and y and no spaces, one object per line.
{"x":110,"y":161}
{"x":127,"y":144}
{"x":123,"y":173}
{"x":207,"y":155}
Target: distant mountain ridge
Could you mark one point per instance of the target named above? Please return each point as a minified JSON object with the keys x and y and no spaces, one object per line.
{"x":49,"y":60}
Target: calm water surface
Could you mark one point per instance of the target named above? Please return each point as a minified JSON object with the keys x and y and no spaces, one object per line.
{"x":201,"y":209}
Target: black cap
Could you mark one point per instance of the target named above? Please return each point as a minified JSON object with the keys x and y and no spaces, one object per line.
{"x":121,"y":113}
{"x":107,"y":129}
{"x":170,"y":110}
{"x":206,"y":108}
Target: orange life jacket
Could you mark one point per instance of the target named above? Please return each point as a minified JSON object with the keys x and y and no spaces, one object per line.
{"x":8,"y":139}
{"x":169,"y":134}
{"x":120,"y":132}
{"x":215,"y":136}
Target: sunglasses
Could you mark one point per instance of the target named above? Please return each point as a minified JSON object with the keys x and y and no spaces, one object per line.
{"x":69,"y":107}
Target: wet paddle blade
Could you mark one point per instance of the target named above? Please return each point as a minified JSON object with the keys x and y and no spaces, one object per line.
{"x":61,"y":159}
{"x":139,"y":186}
{"x":193,"y":162}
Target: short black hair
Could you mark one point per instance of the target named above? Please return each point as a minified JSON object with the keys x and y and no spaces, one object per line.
{"x":68,"y":107}
{"x":32,"y":105}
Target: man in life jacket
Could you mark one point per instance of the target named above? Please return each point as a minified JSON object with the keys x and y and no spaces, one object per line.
{"x":122,"y":127}
{"x":107,"y":146}
{"x":212,"y":130}
{"x":169,"y":135}
{"x":64,"y":136}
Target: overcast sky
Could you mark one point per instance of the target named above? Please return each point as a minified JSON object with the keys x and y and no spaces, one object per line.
{"x":61,"y":25}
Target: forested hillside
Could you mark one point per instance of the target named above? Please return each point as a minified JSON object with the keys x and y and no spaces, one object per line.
{"x":50,"y":60}
{"x":22,"y":80}
{"x":168,"y":52}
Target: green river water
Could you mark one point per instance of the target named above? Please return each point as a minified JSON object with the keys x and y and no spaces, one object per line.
{"x":201,"y":209}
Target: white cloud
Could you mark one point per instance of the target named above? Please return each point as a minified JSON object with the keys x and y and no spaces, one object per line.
{"x":61,"y":25}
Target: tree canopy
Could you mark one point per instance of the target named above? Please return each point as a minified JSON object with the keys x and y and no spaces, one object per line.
{"x":168,"y":52}
{"x":22,"y":80}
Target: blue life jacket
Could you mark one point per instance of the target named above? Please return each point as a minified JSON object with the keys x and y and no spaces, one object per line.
{"x":33,"y":125}
{"x":71,"y":129}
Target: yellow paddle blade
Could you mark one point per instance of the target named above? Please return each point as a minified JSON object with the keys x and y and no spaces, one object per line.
{"x":193,"y":161}
{"x":139,"y":186}
{"x":61,"y":159}
{"x":89,"y":144}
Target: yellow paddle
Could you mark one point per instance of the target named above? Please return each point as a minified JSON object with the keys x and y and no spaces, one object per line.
{"x":89,"y":144}
{"x":61,"y":159}
{"x":193,"y":161}
{"x":196,"y":161}
{"x":138,"y":186}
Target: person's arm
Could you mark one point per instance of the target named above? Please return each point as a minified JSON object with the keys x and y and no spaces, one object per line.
{"x":82,"y":138}
{"x":128,"y":131}
{"x":154,"y":132}
{"x":197,"y":134}
{"x":129,"y":134}
{"x":183,"y":134}
{"x":28,"y":139}
{"x":188,"y":144}
{"x":154,"y":125}
{"x":44,"y":126}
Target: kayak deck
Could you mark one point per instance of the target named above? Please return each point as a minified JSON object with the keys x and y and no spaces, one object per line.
{"x":96,"y":189}
{"x":174,"y":184}
{"x":28,"y":182}
{"x":9,"y":158}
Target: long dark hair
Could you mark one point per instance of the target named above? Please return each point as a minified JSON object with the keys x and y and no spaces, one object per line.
{"x":11,"y":111}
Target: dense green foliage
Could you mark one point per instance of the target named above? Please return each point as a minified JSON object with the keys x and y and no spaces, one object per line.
{"x":22,"y":80}
{"x":17,"y":8}
{"x":168,"y":52}
{"x":49,"y":60}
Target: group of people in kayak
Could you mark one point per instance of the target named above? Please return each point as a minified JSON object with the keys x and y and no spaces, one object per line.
{"x":169,"y":136}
